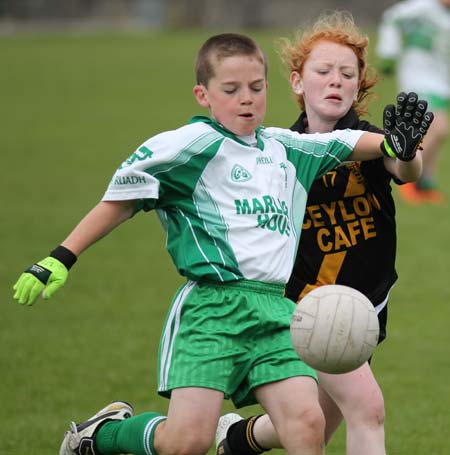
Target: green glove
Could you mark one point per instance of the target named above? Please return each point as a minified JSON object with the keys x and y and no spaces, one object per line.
{"x":46,"y":276}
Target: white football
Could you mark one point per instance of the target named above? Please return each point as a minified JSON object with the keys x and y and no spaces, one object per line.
{"x":335,"y":329}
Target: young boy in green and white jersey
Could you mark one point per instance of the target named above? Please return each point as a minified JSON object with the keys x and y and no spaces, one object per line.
{"x":414,"y":40}
{"x":231,"y":196}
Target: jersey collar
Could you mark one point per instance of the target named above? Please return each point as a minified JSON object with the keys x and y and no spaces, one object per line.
{"x":221,"y":129}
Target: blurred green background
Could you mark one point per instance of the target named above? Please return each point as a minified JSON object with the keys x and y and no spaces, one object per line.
{"x":72,"y":108}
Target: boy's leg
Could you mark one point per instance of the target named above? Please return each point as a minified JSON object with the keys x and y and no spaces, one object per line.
{"x":81,"y":438}
{"x":355,"y":394}
{"x":191,"y":421}
{"x":284,"y":385}
{"x":293,"y":407}
{"x":189,"y":428}
{"x":256,"y":434}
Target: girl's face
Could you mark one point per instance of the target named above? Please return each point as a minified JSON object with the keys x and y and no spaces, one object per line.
{"x":329,"y":82}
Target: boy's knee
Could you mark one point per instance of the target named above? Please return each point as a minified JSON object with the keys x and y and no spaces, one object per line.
{"x":193,"y":443}
{"x":314,"y":419}
{"x":308,"y":424}
{"x":189,"y":442}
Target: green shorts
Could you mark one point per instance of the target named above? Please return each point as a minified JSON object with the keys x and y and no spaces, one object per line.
{"x":228,"y":337}
{"x":435,"y":102}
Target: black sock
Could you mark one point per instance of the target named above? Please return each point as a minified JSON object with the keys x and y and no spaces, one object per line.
{"x":240,"y":438}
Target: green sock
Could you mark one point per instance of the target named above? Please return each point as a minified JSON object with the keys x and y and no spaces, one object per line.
{"x":134,"y":435}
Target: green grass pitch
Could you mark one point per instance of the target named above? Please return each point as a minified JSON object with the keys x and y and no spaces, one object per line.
{"x":72,"y":107}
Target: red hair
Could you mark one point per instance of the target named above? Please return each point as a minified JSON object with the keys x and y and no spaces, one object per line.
{"x":337,"y":27}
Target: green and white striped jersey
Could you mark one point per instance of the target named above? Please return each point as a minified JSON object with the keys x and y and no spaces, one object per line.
{"x":230,"y":210}
{"x":416,"y":33}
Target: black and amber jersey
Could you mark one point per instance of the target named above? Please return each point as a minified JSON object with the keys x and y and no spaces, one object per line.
{"x":349,"y":231}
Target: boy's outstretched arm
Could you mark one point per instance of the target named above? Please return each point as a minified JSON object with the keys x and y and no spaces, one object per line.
{"x":48,"y":275}
{"x":100,"y":221}
{"x":404,"y":129}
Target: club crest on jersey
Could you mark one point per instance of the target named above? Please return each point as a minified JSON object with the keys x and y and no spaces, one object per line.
{"x":240,"y":174}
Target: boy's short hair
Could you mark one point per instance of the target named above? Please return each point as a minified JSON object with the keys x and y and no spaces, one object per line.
{"x":222,"y":46}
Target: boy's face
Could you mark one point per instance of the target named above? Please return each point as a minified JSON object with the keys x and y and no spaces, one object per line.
{"x":236,"y":95}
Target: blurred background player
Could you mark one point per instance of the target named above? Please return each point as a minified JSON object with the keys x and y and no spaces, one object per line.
{"x":414,"y":41}
{"x":350,"y":219}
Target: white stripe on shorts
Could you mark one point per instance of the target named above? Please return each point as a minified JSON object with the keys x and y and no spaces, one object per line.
{"x":168,"y":338}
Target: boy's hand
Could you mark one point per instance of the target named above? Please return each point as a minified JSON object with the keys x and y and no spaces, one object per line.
{"x":405,"y":126}
{"x":47,"y":275}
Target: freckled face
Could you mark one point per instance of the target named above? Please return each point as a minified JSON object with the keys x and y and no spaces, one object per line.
{"x":329,"y":82}
{"x":236,"y":95}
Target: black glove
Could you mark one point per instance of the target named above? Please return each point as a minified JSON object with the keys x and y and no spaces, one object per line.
{"x":405,"y":127}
